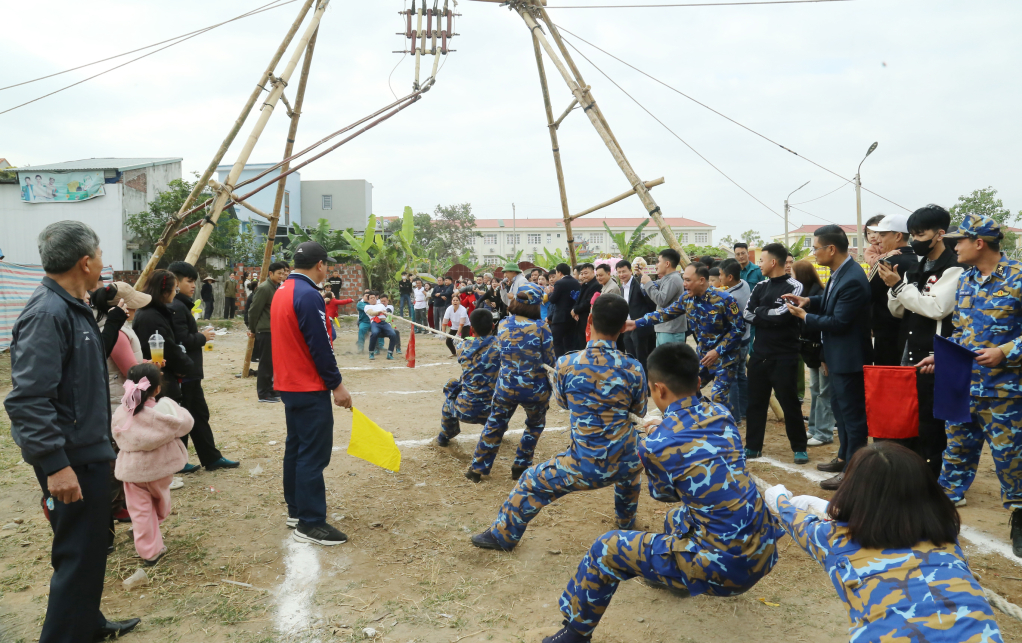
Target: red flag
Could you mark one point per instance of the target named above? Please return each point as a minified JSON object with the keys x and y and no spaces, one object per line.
{"x":892,"y":401}
{"x":410,"y":349}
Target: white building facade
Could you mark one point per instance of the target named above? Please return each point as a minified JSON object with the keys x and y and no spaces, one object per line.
{"x":505,"y":237}
{"x":290,"y":207}
{"x":344,"y":203}
{"x":129,"y":184}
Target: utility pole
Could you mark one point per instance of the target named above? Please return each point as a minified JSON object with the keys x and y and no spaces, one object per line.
{"x":786,"y":211}
{"x":860,"y":250}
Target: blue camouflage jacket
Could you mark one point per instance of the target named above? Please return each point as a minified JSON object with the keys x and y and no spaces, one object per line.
{"x":714,"y":317}
{"x":480,"y":361}
{"x":599,"y":386}
{"x":988,"y":314}
{"x":525,"y":345}
{"x":922,"y":593}
{"x":695,"y":457}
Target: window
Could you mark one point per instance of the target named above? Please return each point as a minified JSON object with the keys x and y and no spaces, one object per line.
{"x":535,"y":239}
{"x":328,"y":202}
{"x":491,"y":260}
{"x":137,"y":261}
{"x":702,"y":237}
{"x":549,"y":239}
{"x":684,"y":237}
{"x":490,"y":239}
{"x":287,"y":208}
{"x":514,"y":239}
{"x":854,"y":240}
{"x":807,"y":242}
{"x":596,"y":237}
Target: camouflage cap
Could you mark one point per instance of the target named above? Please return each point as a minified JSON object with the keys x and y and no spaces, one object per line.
{"x":977,"y":227}
{"x":530,"y":293}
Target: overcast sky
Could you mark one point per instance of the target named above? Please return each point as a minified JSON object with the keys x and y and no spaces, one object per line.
{"x":935,"y":82}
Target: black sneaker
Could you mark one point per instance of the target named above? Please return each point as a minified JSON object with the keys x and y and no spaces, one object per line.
{"x":474,"y":476}
{"x":1016,"y":532}
{"x":567,"y":635}
{"x":324,"y":534}
{"x":516,"y":472}
{"x":486,"y":540}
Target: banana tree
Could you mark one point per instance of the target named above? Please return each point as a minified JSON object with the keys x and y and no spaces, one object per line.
{"x":633,"y":245}
{"x":333,"y":241}
{"x":366,"y":248}
{"x":799,"y":250}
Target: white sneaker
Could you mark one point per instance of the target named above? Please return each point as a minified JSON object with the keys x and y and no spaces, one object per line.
{"x":961,"y":503}
{"x":813,"y":442}
{"x":291,"y":523}
{"x":176,"y":483}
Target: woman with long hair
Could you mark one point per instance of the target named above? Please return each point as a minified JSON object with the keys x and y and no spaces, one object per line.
{"x":890,"y":546}
{"x":820,"y":427}
{"x":157,"y":317}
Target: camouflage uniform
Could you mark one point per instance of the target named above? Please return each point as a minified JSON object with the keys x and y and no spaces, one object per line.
{"x":720,"y":541}
{"x":525,"y":345}
{"x":599,"y":386}
{"x":717,"y":322}
{"x":989,"y":314}
{"x":469,"y":397}
{"x":922,"y":593}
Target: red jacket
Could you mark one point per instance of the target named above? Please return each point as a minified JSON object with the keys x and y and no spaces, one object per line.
{"x":302,"y":358}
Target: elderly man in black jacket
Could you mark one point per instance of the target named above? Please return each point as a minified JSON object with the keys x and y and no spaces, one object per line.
{"x":562,"y":298}
{"x":60,"y":417}
{"x":192,"y":397}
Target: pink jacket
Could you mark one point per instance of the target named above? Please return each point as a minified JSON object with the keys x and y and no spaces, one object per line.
{"x":150,"y":447}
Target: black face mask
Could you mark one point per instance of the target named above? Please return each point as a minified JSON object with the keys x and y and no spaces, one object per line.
{"x":922,"y":248}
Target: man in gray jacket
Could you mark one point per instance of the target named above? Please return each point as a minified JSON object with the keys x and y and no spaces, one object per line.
{"x":667,"y":289}
{"x":60,"y":417}
{"x":731,"y":281}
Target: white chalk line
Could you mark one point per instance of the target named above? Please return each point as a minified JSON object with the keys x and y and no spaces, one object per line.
{"x":471,"y":437}
{"x":979,"y":539}
{"x":294,"y":596}
{"x":386,"y":368}
{"x":391,"y":392}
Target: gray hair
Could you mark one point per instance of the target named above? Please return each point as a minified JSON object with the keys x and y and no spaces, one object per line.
{"x":64,"y":243}
{"x":487,"y":275}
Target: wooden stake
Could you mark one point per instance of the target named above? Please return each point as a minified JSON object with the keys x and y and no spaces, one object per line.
{"x":175,"y":222}
{"x":588,"y":104}
{"x":557,"y":152}
{"x":620,"y":197}
{"x":253,"y":137}
{"x":271,"y":234}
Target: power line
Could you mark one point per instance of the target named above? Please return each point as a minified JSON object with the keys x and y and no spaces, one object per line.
{"x":725,"y":116}
{"x":664,"y":125}
{"x":689,"y":4}
{"x":267,"y":7}
{"x":820,"y":197}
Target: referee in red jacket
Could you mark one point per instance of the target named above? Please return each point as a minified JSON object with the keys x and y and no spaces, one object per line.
{"x":305,"y":374}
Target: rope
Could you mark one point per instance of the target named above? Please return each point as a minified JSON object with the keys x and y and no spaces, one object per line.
{"x":995,"y":599}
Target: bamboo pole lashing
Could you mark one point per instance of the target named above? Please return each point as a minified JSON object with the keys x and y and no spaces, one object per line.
{"x":264,"y":116}
{"x":271,"y":233}
{"x":171,"y":227}
{"x":555,"y":147}
{"x":624,"y":195}
{"x":218,"y":186}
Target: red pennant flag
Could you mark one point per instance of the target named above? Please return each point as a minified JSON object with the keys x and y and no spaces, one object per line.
{"x":410,"y":349}
{"x":892,"y":401}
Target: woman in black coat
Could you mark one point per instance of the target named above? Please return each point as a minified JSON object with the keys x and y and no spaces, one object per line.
{"x":158,"y":317}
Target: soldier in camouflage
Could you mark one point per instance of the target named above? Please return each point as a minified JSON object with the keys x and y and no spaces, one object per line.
{"x":470,"y":396}
{"x":716,"y":320}
{"x":525,"y":345}
{"x":720,"y":541}
{"x":599,"y":386}
{"x":891,"y":551}
{"x":988,"y":321}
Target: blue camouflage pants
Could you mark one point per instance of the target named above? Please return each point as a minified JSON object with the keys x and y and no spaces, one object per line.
{"x":670,"y":558}
{"x":504,"y":404}
{"x":999,"y":421}
{"x":723,"y":372}
{"x":456,"y":410}
{"x":546,"y":482}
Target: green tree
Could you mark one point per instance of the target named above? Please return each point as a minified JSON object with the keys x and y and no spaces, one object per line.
{"x":249,"y":247}
{"x":799,"y":250}
{"x":985,"y":203}
{"x":448,"y":232}
{"x":633,"y":245}
{"x":727,"y":242}
{"x":147,"y":226}
{"x":333,"y":241}
{"x":751,"y":237}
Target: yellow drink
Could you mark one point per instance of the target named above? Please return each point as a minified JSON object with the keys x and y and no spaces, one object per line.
{"x":157,"y":354}
{"x":208,"y":346}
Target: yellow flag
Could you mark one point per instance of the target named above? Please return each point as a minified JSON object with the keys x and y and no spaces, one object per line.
{"x":373,"y":444}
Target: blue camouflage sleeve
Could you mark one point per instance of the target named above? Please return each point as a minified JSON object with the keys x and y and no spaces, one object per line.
{"x":807,"y":530}
{"x":676,"y":309}
{"x":661,"y":486}
{"x":558,"y":381}
{"x":547,"y":342}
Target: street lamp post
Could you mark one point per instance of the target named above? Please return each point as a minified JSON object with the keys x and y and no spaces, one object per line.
{"x":858,"y":203}
{"x":786,"y":211}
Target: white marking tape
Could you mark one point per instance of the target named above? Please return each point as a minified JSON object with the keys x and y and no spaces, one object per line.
{"x":979,"y":539}
{"x":294,"y":597}
{"x":384,"y":368}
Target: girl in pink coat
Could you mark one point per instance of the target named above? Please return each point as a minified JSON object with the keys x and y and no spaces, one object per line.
{"x":147,"y":433}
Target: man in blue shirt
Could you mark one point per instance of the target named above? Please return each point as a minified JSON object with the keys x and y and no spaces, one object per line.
{"x":750,"y":271}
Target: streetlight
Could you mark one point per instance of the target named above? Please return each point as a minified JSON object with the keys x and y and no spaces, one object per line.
{"x":786,"y":211}
{"x":858,"y":202}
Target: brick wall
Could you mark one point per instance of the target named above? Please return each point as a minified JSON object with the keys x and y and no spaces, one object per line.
{"x":352,"y":274}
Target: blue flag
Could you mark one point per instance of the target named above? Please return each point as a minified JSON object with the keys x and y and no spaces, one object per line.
{"x":952,"y":379}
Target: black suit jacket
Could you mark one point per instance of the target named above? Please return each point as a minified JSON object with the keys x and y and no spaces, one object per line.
{"x":639,"y":304}
{"x":562,"y":299}
{"x":584,"y":303}
{"x":842,"y":316}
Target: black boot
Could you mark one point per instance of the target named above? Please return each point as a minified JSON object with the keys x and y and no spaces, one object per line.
{"x":486,"y":540}
{"x":567,"y":635}
{"x":442,"y":440}
{"x":516,"y":472}
{"x":1016,"y":532}
{"x":474,"y":476}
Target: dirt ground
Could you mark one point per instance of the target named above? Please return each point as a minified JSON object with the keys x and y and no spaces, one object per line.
{"x":409,"y":571}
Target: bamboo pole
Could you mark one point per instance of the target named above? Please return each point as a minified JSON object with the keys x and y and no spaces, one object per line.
{"x":217,"y":185}
{"x":175,"y":222}
{"x":557,"y":151}
{"x":253,"y":137}
{"x":564,"y":114}
{"x":271,"y":234}
{"x":649,"y":185}
{"x":587,"y":101}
